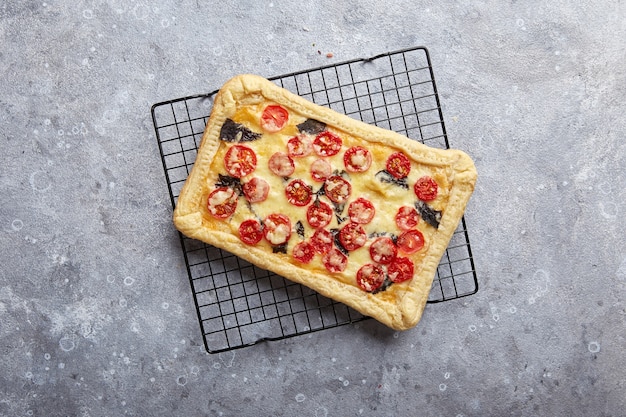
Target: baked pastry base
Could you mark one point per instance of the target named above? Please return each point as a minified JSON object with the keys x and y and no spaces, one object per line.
{"x":400,"y":306}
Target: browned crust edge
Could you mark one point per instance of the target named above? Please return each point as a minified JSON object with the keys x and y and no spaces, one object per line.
{"x":188,"y":217}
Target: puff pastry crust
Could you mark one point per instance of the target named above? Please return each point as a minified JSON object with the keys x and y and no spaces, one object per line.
{"x":217,"y":182}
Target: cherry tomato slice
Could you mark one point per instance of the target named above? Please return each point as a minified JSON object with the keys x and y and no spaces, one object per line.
{"x":361,"y":211}
{"x":298,"y":193}
{"x":370,"y":277}
{"x":303,"y":252}
{"x":277,"y":228}
{"x":335,"y":261}
{"x":400,"y":270}
{"x":410,"y":241}
{"x":352,"y":236}
{"x":383,"y":250}
{"x":256,"y":190}
{"x":322,"y":241}
{"x":327,"y":144}
{"x":320,"y":170}
{"x":337,"y":189}
{"x":398,"y":165}
{"x":319,"y":214}
{"x":222,"y":202}
{"x":240,"y":161}
{"x":299,"y":146}
{"x":357,"y":159}
{"x":250,"y":232}
{"x":274,"y":118}
{"x":426,"y":189}
{"x":407,"y":218}
{"x":281,"y":164}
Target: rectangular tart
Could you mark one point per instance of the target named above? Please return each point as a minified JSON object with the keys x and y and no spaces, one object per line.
{"x":357,"y":213}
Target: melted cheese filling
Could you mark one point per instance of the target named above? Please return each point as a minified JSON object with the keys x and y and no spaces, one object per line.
{"x":387,"y":198}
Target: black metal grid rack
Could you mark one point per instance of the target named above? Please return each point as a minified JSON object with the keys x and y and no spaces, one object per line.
{"x":239,"y":304}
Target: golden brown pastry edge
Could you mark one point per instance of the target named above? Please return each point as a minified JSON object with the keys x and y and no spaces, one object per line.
{"x":188,"y":217}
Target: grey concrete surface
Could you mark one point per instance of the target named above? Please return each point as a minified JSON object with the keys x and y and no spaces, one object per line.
{"x":96,"y":313}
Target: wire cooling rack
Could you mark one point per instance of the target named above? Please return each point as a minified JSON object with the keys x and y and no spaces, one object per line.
{"x":239,"y":304}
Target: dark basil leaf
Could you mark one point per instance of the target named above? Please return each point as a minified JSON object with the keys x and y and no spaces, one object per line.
{"x":343,"y":174}
{"x":340,"y":219}
{"x":300,"y":229}
{"x":393,"y":237}
{"x":385,"y":176}
{"x":339,"y":207}
{"x":337,"y":241}
{"x":236,"y":132}
{"x":430,"y":215}
{"x":312,"y":126}
{"x":280,"y":248}
{"x":228,"y":181}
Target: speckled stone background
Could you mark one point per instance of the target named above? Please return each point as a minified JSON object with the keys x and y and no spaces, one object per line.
{"x":96,"y":312}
